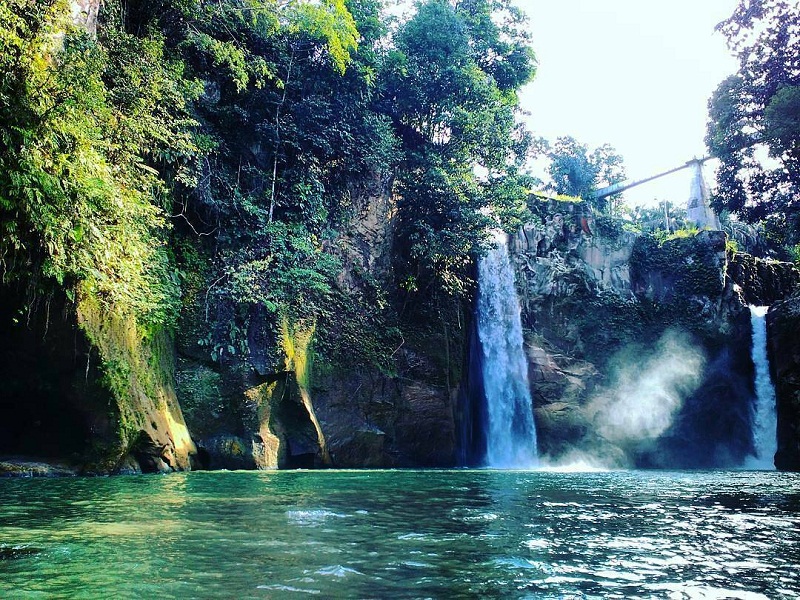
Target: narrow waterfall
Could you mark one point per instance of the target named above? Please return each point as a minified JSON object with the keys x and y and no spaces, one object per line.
{"x":510,"y":431}
{"x":765,"y":421}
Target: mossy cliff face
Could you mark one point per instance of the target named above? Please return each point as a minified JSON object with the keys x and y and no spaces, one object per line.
{"x":639,"y":348}
{"x":763,"y":282}
{"x":783,"y":333}
{"x":278,"y":394}
{"x":88,"y":389}
{"x":246,"y":411}
{"x":137,"y":369}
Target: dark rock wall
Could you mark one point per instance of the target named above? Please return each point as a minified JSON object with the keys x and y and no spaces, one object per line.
{"x":50,"y":403}
{"x":763,"y":282}
{"x":596,"y":300}
{"x":251,"y":408}
{"x":82,"y":389}
{"x":599,"y":302}
{"x":783,"y":335}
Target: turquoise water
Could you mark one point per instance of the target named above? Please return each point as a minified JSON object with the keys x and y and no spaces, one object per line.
{"x":403,"y":534}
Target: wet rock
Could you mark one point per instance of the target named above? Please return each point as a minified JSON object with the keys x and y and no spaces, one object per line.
{"x":763,"y":282}
{"x":28,"y":468}
{"x":561,"y":386}
{"x":373,"y":420}
{"x":597,"y":301}
{"x":228,"y":452}
{"x":783,"y":338}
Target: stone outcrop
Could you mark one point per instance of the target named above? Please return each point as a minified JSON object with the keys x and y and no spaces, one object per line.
{"x":763,"y":282}
{"x":375,"y":420}
{"x":783,"y":335}
{"x":271,"y":405}
{"x":85,"y":13}
{"x":85,"y":391}
{"x":606,"y":311}
{"x":138,"y":372}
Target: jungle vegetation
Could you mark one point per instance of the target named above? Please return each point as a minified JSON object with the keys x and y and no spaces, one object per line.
{"x":214,"y":152}
{"x":754,"y":122}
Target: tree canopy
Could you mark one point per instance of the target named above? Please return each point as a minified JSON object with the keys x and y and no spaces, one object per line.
{"x":450,"y":89}
{"x":216,"y":150}
{"x":576,"y":171}
{"x":756,"y":112}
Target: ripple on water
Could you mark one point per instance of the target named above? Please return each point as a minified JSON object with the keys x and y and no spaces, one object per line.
{"x":337,"y":571}
{"x":692,"y":590}
{"x":412,"y":536}
{"x":684,"y":536}
{"x":307,"y":518}
{"x":472,"y":515}
{"x":289,"y":588}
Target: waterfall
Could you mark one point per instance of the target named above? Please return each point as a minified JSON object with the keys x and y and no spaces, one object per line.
{"x":765,"y":422}
{"x":510,"y":432}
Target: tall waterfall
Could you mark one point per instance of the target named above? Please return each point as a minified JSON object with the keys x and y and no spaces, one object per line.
{"x":765,"y":421}
{"x":510,"y":434}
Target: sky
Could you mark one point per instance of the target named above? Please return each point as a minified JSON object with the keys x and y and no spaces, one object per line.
{"x":636,"y":74}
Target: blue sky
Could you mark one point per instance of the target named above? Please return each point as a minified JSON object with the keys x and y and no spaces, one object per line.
{"x":636,"y":74}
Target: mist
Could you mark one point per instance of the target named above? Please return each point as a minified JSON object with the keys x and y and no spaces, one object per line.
{"x":647,"y":390}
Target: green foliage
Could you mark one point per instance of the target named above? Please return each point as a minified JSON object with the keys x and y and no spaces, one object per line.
{"x":577,"y":172}
{"x":757,"y":109}
{"x":218,"y":150}
{"x":450,"y":90}
{"x":201,"y":397}
{"x":358,"y":329}
{"x":683,"y":264}
{"x":795,"y":254}
{"x":508,"y":195}
{"x":665,"y":216}
{"x":287,"y":274}
{"x":78,"y":201}
{"x":678,"y":234}
{"x":611,"y":228}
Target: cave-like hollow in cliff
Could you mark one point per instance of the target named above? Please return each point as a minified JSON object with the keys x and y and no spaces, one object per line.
{"x":51,"y":405}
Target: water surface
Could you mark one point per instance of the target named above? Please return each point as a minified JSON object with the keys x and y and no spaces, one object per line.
{"x":403,"y":534}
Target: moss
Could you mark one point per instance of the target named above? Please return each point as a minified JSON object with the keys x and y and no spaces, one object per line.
{"x":677,"y":268}
{"x":136,"y":367}
{"x":199,"y":390}
{"x":610,"y":228}
{"x":297,"y":340}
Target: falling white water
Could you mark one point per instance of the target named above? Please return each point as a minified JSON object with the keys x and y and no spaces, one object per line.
{"x":765,"y":421}
{"x":510,"y":435}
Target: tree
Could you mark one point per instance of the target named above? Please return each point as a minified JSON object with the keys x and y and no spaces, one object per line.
{"x":575,"y":171}
{"x":83,"y":122}
{"x":449,"y":87}
{"x":759,"y":108}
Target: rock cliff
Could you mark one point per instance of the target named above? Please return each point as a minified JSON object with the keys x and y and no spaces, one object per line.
{"x":638,"y":346}
{"x":638,"y":351}
{"x":85,"y":389}
{"x":783,"y":327}
{"x":280,"y":400}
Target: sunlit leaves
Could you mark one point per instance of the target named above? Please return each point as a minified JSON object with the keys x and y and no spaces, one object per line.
{"x":328,"y":20}
{"x":79,"y":203}
{"x":451,"y":83}
{"x":755,"y":113}
{"x":577,"y":171}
